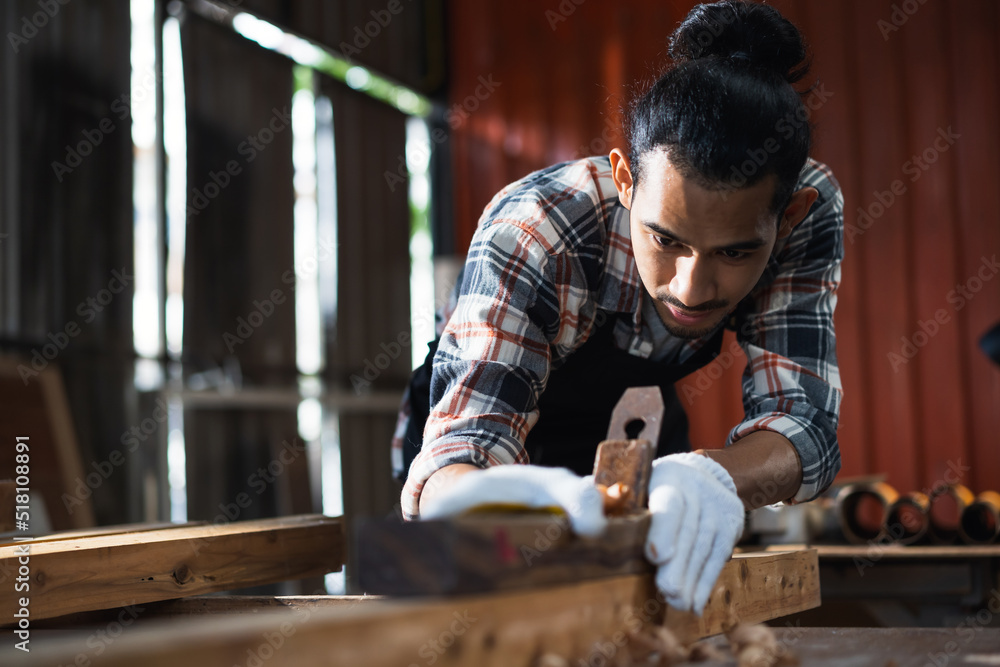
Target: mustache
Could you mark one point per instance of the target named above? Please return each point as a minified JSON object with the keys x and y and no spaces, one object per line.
{"x":700,"y":308}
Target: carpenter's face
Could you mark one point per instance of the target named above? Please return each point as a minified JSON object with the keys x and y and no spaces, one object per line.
{"x":698,"y":251}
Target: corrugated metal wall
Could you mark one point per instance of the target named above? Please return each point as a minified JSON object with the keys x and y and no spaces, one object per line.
{"x":66,"y":223}
{"x":534,"y":83}
{"x":239,"y":247}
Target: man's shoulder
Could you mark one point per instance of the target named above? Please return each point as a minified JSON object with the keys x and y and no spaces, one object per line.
{"x":817,"y":175}
{"x":564,"y":206}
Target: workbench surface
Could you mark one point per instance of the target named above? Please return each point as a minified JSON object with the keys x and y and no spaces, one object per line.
{"x":968,"y":645}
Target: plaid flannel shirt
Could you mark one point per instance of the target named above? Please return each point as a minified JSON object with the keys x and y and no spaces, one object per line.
{"x":552,"y":256}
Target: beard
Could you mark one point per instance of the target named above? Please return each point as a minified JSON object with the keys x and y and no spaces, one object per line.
{"x":693,"y":333}
{"x":700,"y":330}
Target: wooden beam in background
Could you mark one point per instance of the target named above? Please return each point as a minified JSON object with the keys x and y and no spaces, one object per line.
{"x":120,"y":569}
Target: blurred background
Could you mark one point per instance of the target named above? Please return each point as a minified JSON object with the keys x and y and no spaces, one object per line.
{"x":225,"y":226}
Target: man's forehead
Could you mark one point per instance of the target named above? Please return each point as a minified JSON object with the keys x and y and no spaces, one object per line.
{"x":685,"y":209}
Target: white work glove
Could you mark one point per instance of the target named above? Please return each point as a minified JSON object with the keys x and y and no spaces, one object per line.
{"x":696,"y":520}
{"x":525,"y":486}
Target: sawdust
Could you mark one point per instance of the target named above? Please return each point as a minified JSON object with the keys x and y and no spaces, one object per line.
{"x":656,"y":646}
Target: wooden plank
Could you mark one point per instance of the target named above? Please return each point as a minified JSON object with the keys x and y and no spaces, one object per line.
{"x":492,"y":552}
{"x":116,"y":570}
{"x":753,"y":588}
{"x":511,"y":628}
{"x":897,"y":551}
{"x":95,"y":532}
{"x":210,"y":605}
{"x":253,"y":604}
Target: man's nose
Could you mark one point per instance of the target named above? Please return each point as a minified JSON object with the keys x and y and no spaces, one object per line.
{"x":694,"y":281}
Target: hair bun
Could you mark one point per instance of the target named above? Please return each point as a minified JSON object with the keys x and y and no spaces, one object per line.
{"x":741,"y":32}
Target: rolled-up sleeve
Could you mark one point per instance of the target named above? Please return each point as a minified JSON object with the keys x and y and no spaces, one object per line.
{"x":791,"y":384}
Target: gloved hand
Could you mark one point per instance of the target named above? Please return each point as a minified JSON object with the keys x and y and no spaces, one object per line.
{"x":696,"y":520}
{"x":525,"y":486}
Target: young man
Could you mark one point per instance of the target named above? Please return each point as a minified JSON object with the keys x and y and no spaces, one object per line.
{"x":592,"y":276}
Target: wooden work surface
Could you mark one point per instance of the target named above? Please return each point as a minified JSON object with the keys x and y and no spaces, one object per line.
{"x":895,"y":551}
{"x":496,"y":628}
{"x":902,"y":586}
{"x":885,"y":647}
{"x":814,"y":647}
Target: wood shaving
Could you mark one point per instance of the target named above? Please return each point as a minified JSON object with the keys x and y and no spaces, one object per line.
{"x":703,"y":651}
{"x":657,"y":646}
{"x":756,"y":646}
{"x":751,"y":645}
{"x":615,"y":497}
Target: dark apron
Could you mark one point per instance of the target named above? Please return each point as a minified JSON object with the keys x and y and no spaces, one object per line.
{"x":575,"y":408}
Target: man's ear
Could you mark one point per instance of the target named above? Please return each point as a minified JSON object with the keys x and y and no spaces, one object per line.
{"x":798,"y":206}
{"x":622,"y":176}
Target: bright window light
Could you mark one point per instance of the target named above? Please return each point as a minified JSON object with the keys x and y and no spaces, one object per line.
{"x":142,"y":102}
{"x":266,"y":34}
{"x":175,"y":144}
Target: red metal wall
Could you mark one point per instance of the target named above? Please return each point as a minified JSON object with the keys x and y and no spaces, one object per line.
{"x":558,"y":72}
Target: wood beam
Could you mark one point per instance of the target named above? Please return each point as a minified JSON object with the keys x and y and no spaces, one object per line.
{"x":508,"y":628}
{"x":120,"y":569}
{"x":493,"y":552}
{"x":752,"y":589}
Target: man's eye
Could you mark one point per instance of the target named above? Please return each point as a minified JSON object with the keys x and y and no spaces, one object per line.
{"x":663,"y":242}
{"x":733,"y":254}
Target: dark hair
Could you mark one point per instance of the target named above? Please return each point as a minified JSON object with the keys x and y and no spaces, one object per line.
{"x":726,"y":111}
